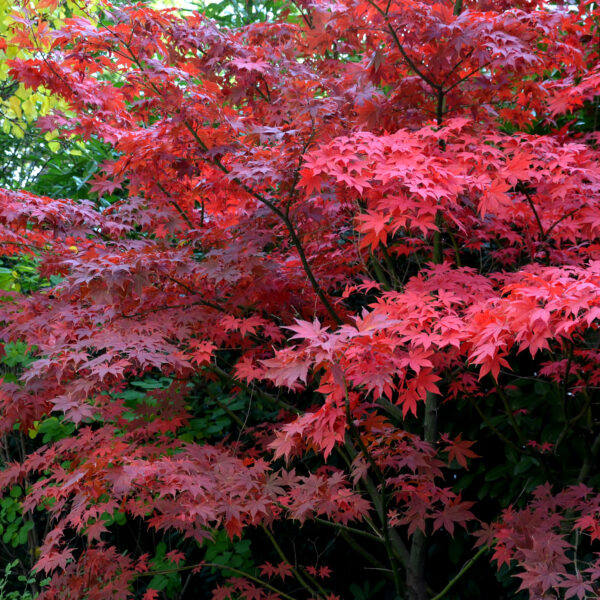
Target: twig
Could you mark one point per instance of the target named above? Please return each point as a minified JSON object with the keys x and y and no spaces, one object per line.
{"x":219,"y":566}
{"x":460,"y":574}
{"x":284,"y":218}
{"x":297,"y":574}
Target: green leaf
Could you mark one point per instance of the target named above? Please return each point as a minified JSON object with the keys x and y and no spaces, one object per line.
{"x":497,"y":472}
{"x":526,"y":463}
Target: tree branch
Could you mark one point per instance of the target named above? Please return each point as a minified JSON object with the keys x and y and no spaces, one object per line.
{"x":286,"y":221}
{"x":460,"y":574}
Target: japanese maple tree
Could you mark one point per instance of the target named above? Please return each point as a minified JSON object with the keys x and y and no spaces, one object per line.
{"x":335,"y":293}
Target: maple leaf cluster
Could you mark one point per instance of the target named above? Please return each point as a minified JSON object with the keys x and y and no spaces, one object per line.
{"x":372,"y":225}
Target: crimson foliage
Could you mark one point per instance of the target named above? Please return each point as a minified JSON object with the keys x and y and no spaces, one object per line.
{"x":365,"y":233}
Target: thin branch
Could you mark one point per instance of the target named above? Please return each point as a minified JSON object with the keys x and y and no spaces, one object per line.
{"x":347,"y":528}
{"x":176,"y":205}
{"x":229,"y":412}
{"x":591,"y":454}
{"x":456,"y":248}
{"x":364,"y":553}
{"x":251,"y":389}
{"x":535,"y":213}
{"x":218,"y":566}
{"x":261,"y":93}
{"x":196,"y":292}
{"x":305,"y":16}
{"x":572,"y":421}
{"x":499,"y":434}
{"x":566,"y":216}
{"x":460,"y":62}
{"x":261,"y":198}
{"x":379,"y":274}
{"x":460,"y":574}
{"x":383,"y":495}
{"x":296,"y":176}
{"x":165,"y":307}
{"x":471,"y":73}
{"x":509,"y":413}
{"x":286,"y":221}
{"x":295,"y":571}
{"x":409,"y":61}
{"x":249,"y":190}
{"x":398,"y":43}
{"x":567,"y":372}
